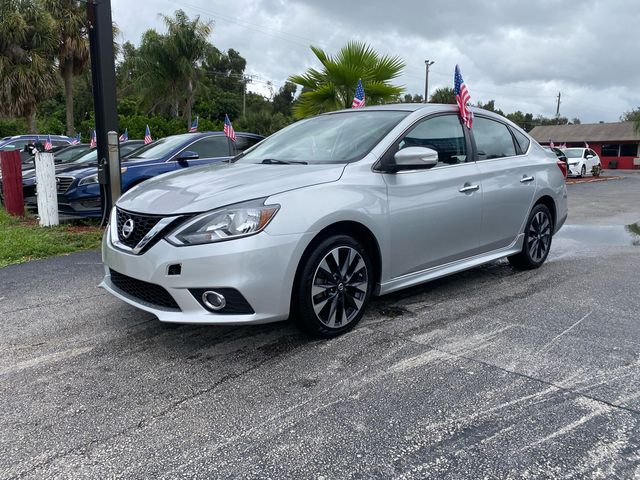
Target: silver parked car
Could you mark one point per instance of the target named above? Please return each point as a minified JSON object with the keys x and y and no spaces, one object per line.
{"x":314,"y":220}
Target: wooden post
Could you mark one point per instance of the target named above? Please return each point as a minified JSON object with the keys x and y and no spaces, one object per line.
{"x":12,"y":182}
{"x":47,"y":192}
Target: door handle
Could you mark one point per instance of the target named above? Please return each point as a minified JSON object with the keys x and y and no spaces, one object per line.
{"x":526,"y":179}
{"x":469,"y":188}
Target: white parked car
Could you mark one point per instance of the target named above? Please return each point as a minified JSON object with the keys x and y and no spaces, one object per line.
{"x":581,"y":161}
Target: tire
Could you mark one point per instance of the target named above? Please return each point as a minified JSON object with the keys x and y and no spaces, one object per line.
{"x":538,"y":234}
{"x":583,"y":171}
{"x":333,"y":287}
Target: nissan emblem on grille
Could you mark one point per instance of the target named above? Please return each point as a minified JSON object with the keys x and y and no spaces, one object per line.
{"x":127,"y":228}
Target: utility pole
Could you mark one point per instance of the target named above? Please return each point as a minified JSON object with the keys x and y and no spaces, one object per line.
{"x":558,"y":107}
{"x":427,"y":64}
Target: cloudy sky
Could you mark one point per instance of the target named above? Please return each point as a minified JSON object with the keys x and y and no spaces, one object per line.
{"x":520,"y":53}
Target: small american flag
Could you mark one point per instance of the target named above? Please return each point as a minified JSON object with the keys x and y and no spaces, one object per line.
{"x":564,"y":145}
{"x":586,"y":145}
{"x":194,"y":126}
{"x":76,"y":140}
{"x":47,"y":144}
{"x":125,"y":136}
{"x":359,"y":98}
{"x":147,"y":136}
{"x":228,"y":128}
{"x":94,"y":140}
{"x":462,"y":98}
{"x":551,"y":144}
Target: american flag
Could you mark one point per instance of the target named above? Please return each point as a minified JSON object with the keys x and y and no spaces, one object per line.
{"x":462,"y":98}
{"x":551,"y":144}
{"x":359,"y":98}
{"x":125,"y":136}
{"x":564,"y":145}
{"x":228,"y":128}
{"x":94,"y":140}
{"x":47,"y":144}
{"x":76,"y":140}
{"x":194,"y":126}
{"x":147,"y":136}
{"x":586,"y":145}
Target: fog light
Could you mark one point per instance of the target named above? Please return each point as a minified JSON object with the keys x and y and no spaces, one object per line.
{"x":213,"y":300}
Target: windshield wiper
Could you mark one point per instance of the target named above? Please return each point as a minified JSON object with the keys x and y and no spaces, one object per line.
{"x":273,"y":161}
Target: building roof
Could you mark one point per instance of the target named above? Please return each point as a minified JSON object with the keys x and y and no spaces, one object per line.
{"x":586,"y":132}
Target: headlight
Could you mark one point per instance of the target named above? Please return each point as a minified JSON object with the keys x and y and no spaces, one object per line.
{"x":89,"y":180}
{"x":227,"y":223}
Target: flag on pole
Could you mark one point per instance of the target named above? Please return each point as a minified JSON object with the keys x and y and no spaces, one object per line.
{"x":462,"y":98}
{"x":228,"y":128}
{"x":586,"y":145}
{"x":359,"y":98}
{"x":194,"y":126}
{"x":147,"y":136}
{"x":551,"y":144}
{"x":76,"y":140}
{"x":564,"y":145}
{"x":47,"y":144}
{"x":94,"y":140}
{"x":125,"y":136}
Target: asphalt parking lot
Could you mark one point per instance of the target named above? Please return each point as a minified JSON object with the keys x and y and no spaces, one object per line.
{"x":491,"y":373}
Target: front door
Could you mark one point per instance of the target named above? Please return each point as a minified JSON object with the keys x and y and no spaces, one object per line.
{"x":434,"y":214}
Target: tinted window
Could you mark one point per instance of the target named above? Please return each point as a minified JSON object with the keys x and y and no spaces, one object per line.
{"x":17,"y":145}
{"x":162,"y":147}
{"x":610,"y":150}
{"x":443,"y":134}
{"x":211,"y":147}
{"x":629,"y":150}
{"x":493,"y":139}
{"x":522,"y":140}
{"x":243,"y":143}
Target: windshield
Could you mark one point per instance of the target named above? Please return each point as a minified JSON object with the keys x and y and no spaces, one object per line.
{"x":337,"y":138}
{"x":90,"y":156}
{"x":161,"y":147}
{"x":573,"y":152}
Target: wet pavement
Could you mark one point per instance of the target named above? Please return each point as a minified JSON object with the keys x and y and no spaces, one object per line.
{"x":490,"y":373}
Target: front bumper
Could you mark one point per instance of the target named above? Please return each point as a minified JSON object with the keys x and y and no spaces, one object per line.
{"x":574,"y":170}
{"x":261,"y":267}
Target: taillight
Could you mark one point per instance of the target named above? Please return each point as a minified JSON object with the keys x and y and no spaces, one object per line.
{"x":563,"y":167}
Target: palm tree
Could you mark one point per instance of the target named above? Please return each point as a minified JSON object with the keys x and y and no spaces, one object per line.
{"x":72,"y":46}
{"x":170,"y":63}
{"x":333,"y":87}
{"x":27,"y":69}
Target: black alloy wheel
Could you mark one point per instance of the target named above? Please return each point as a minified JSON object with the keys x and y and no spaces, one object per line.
{"x":537,"y":240}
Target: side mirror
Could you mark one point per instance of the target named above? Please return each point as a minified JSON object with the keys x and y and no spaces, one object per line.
{"x":187,"y":155}
{"x":589,"y":156}
{"x":415,"y":158}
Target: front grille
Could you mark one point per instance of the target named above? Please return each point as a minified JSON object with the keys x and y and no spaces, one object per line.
{"x":142,"y":224}
{"x":63,"y":184}
{"x":148,"y":293}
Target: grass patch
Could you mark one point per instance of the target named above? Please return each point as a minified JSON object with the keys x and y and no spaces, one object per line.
{"x":22,"y":239}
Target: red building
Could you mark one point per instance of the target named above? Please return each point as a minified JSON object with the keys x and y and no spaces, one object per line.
{"x":617,"y":144}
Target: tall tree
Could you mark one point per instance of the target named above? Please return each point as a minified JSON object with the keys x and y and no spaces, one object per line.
{"x":283,"y":100}
{"x":27,"y":69}
{"x":632,"y":116}
{"x":443,"y":95}
{"x":333,"y":87}
{"x":72,"y":46}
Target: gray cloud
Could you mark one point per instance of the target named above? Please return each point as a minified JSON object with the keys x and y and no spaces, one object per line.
{"x":517,"y":52}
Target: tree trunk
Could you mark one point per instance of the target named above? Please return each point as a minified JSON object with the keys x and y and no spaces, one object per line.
{"x":31,"y":120}
{"x":67,"y":75}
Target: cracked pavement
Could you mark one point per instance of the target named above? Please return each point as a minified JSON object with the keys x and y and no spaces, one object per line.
{"x":489,"y":373}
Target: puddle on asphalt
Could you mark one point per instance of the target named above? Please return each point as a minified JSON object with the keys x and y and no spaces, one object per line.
{"x":605,"y":235}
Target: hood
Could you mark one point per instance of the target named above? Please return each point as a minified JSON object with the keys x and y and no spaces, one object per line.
{"x":204,"y":188}
{"x":79,"y":170}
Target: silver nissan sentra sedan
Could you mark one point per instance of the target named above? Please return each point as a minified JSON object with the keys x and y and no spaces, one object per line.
{"x":314,"y":220}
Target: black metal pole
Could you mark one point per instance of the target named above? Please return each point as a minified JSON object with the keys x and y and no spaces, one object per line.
{"x":103,"y":75}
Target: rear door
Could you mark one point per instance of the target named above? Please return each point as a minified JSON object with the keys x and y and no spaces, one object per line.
{"x":508,"y":179}
{"x":434,"y":215}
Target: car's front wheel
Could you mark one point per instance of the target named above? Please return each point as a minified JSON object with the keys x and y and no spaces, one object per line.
{"x":333,"y":287}
{"x":537,"y":240}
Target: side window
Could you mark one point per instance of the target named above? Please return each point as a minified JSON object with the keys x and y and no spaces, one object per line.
{"x":443,"y":134}
{"x":211,"y":147}
{"x":17,"y":145}
{"x":243,"y":143}
{"x":59,"y":143}
{"x":522,"y":139}
{"x":493,"y":139}
{"x":586,"y":152}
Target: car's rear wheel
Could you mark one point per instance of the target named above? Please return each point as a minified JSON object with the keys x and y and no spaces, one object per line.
{"x":537,"y":240}
{"x":333,"y":287}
